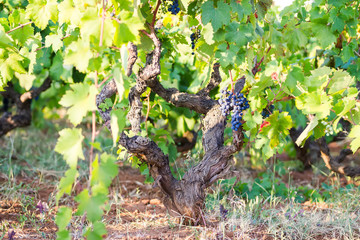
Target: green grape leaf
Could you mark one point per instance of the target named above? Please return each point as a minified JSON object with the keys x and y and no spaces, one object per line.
{"x":338,"y":24}
{"x":227,"y":57}
{"x":96,"y":232}
{"x":241,"y":34}
{"x":295,"y":39}
{"x":41,"y":11}
{"x":63,"y":217}
{"x":63,"y":235}
{"x":208,"y":33}
{"x":68,"y":13}
{"x":318,"y":78}
{"x":323,"y":35}
{"x":217,"y":16}
{"x":54,"y":41}
{"x":20,"y":35}
{"x":10,"y":65}
{"x":294,"y":77}
{"x":252,"y":120}
{"x":69,"y":145}
{"x":66,"y":183}
{"x":279,"y":126}
{"x":90,"y":26}
{"x":81,"y":100}
{"x":5,"y":42}
{"x":119,"y":78}
{"x":107,"y":104}
{"x":242,"y":9}
{"x":128,"y":29}
{"x":92,"y":205}
{"x":78,"y":54}
{"x":345,"y":105}
{"x":317,"y":103}
{"x":355,"y":133}
{"x":60,"y":72}
{"x":340,"y":81}
{"x":117,"y":122}
{"x":26,"y":80}
{"x":105,"y":171}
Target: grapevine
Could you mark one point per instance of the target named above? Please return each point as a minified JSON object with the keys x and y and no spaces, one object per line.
{"x":267,"y":111}
{"x":174,"y":7}
{"x":194,"y":37}
{"x":236,"y":103}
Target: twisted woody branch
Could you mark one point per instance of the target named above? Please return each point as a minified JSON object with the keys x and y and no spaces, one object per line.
{"x":22,"y":117}
{"x":183,"y":197}
{"x":336,"y":164}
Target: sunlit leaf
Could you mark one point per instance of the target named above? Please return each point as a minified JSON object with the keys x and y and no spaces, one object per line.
{"x":70,"y":145}
{"x":81,"y":100}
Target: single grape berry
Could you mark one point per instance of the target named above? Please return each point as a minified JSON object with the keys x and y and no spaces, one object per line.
{"x":234,"y":103}
{"x":174,"y":7}
{"x":267,"y":111}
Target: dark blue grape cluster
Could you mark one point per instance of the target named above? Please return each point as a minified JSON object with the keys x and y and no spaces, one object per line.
{"x":194,"y":37}
{"x":267,"y":111}
{"x":236,"y":103}
{"x":174,"y":7}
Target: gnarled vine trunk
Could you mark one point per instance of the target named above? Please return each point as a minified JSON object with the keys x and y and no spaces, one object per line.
{"x":22,"y":117}
{"x":183,"y":198}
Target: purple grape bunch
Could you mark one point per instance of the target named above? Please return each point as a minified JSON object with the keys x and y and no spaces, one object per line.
{"x":234,"y":103}
{"x":267,"y":111}
{"x":174,"y":7}
{"x":194,"y":37}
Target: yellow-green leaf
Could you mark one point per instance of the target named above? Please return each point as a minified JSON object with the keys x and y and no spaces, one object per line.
{"x":78,"y":54}
{"x":41,"y":11}
{"x":355,"y":133}
{"x":69,"y":145}
{"x":81,"y":100}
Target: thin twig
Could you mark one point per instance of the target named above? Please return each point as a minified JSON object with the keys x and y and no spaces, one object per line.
{"x":20,"y":26}
{"x":351,"y":115}
{"x":146,"y":33}
{"x":105,"y":79}
{"x":155,"y":12}
{"x":232,"y":82}
{"x":274,"y":99}
{"x":102,"y":24}
{"x":93,"y":121}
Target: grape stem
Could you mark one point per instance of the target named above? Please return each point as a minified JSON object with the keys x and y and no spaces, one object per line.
{"x":20,"y":26}
{"x":155,"y":12}
{"x":280,"y":90}
{"x":105,"y":79}
{"x":102,"y":24}
{"x":232,"y":82}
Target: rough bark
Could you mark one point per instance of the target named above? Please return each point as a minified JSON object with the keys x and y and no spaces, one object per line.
{"x":22,"y":117}
{"x":336,"y":164}
{"x":309,"y":153}
{"x":108,"y":90}
{"x":184,"y":197}
{"x":132,"y":58}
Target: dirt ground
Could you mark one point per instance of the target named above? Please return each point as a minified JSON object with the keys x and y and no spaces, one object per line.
{"x":136,"y":210}
{"x":137,"y":214}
